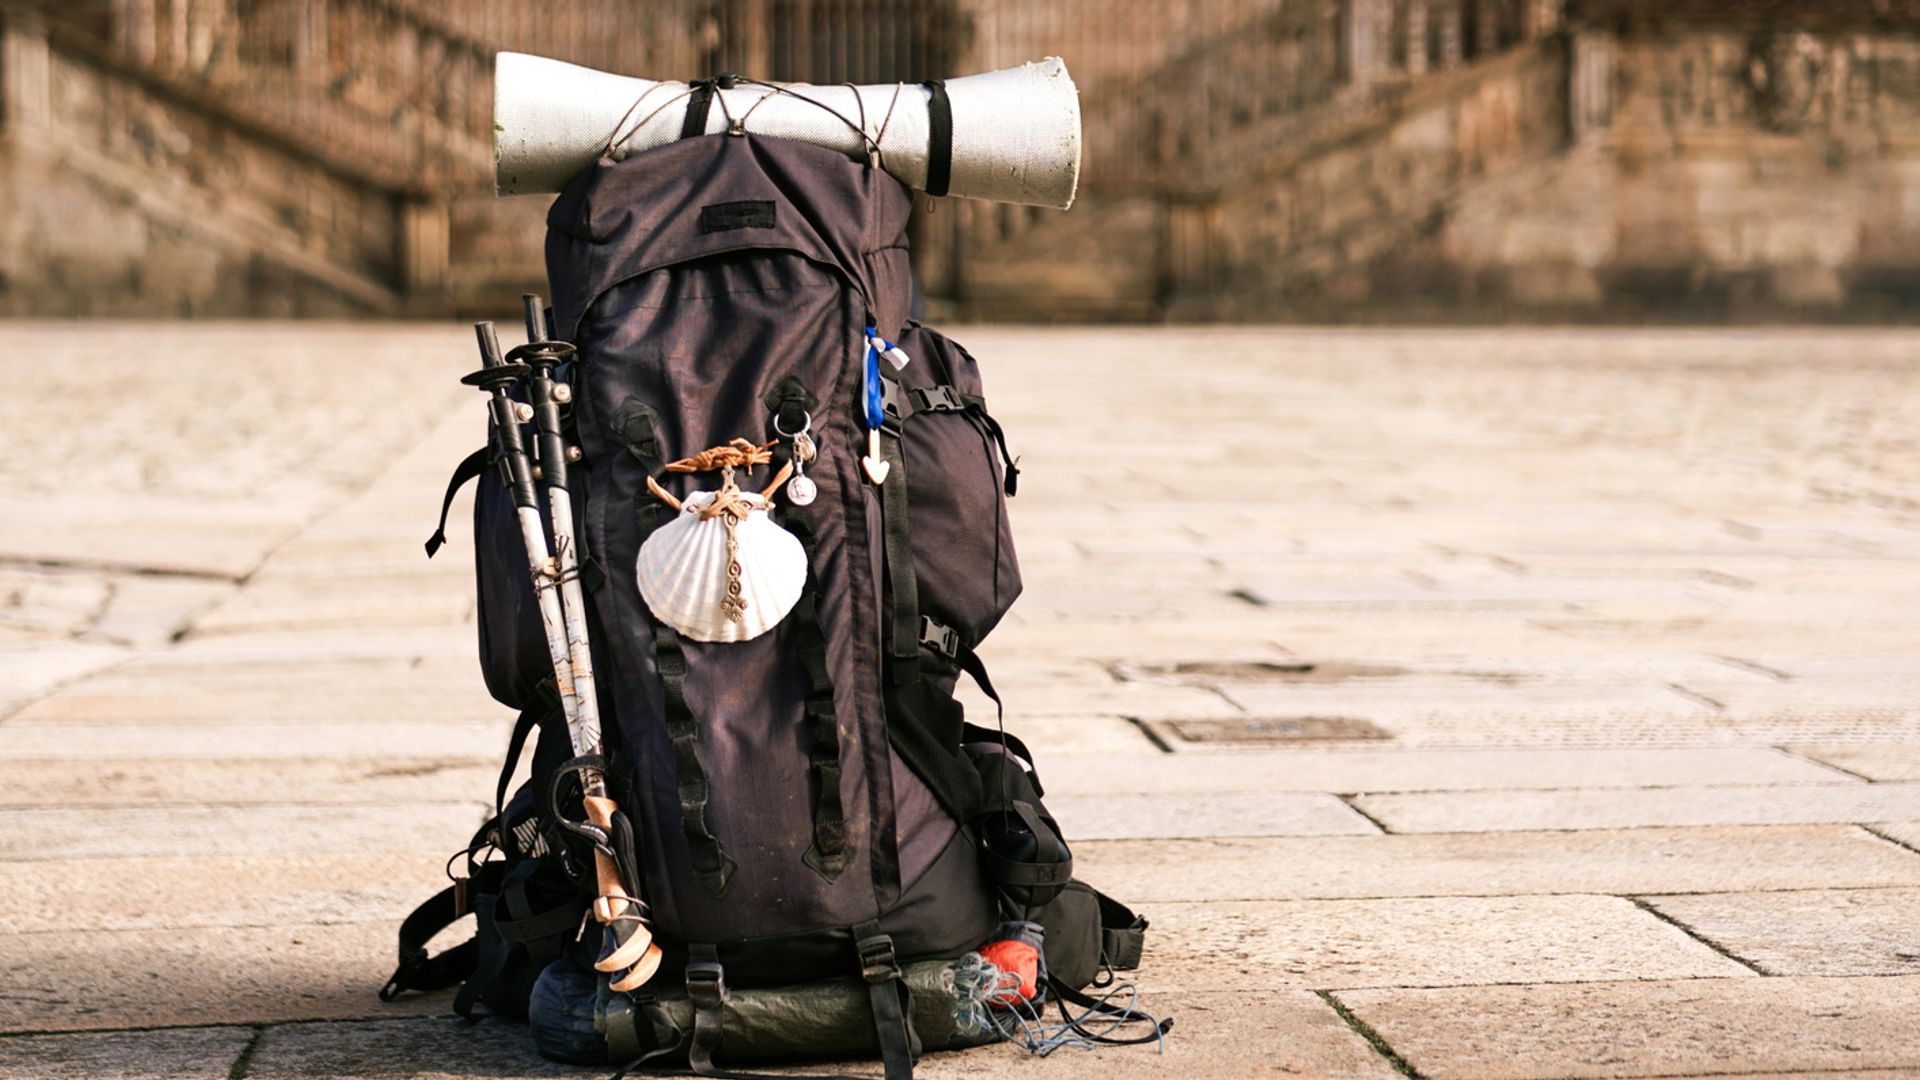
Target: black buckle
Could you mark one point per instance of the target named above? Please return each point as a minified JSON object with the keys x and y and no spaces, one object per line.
{"x":895,"y":406}
{"x":878,"y":964}
{"x":941,"y":398}
{"x":707,"y":984}
{"x":942,"y":639}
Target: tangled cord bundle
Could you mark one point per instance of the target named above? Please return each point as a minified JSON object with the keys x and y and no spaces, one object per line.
{"x":987,"y":997}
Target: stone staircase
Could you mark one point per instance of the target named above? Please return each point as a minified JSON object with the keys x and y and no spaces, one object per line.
{"x":134,"y":196}
{"x":1285,"y":202}
{"x":226,"y":179}
{"x":276,"y":157}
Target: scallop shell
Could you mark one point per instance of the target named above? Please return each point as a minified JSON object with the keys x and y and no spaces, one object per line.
{"x":683,"y":572}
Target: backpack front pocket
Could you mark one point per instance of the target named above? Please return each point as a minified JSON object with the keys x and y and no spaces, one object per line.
{"x":958,"y":479}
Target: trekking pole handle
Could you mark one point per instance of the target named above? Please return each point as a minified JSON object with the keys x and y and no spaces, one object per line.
{"x":540,"y":355}
{"x":494,"y":377}
{"x":536,"y":316}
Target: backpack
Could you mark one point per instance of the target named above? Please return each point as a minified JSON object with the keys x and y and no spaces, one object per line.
{"x":825,"y":845}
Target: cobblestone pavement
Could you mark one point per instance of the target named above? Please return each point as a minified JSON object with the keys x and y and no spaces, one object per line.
{"x":1467,"y":704}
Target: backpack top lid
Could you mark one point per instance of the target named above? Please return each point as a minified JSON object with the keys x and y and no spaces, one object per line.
{"x":716,"y":194}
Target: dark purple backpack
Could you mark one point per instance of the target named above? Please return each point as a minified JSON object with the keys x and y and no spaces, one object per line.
{"x":810,"y":807}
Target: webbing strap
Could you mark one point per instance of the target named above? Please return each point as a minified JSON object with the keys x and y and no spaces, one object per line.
{"x":887,"y":993}
{"x":489,"y":962}
{"x":470,"y":467}
{"x":540,"y":924}
{"x":699,"y":104}
{"x":711,"y":866}
{"x":545,"y":699}
{"x":418,"y":971}
{"x":902,"y":586}
{"x":1051,"y":866}
{"x":707,"y":990}
{"x":830,"y":853}
{"x":939,"y":138}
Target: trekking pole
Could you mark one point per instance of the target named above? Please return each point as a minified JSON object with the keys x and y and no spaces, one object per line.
{"x":537,"y":359}
{"x":563,"y":618}
{"x":507,"y":416}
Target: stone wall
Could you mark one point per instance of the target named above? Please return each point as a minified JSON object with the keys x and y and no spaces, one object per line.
{"x":119,"y":197}
{"x":1695,"y":169}
{"x":1741,"y":171}
{"x":1339,"y":224}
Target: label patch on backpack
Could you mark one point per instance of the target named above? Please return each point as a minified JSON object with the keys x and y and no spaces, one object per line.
{"x":720,"y":217}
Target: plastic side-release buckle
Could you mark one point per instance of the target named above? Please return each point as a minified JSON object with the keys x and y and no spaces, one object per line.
{"x":942,"y":639}
{"x":895,"y":406}
{"x":941,"y":398}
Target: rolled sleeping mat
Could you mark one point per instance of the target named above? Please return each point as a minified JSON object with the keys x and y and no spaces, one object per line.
{"x":1014,"y":134}
{"x":575,"y":1018}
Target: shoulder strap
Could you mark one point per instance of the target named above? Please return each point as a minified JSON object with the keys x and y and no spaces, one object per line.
{"x":470,"y":466}
{"x":417,"y":970}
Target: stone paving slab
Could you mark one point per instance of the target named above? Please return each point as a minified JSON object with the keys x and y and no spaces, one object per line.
{"x":320,"y":603}
{"x":1097,"y":694}
{"x":1420,"y":941}
{"x":1817,"y":932}
{"x":1251,"y":1033}
{"x":1285,"y":1032}
{"x":434,"y":1048}
{"x":1389,"y":770}
{"x":105,"y":979}
{"x":1124,"y":817}
{"x":1851,"y":1074}
{"x":105,"y":832}
{"x":247,"y":742}
{"x":206,"y":1053}
{"x":1887,"y":761}
{"x":205,"y":891}
{"x":442,"y":656}
{"x":340,"y":701}
{"x":1630,"y":1029}
{"x":1498,"y":811}
{"x":138,"y":781}
{"x":1619,"y":862}
{"x":1483,"y":712}
{"x":1906,"y":833}
{"x":200,"y":666}
{"x":1672,"y":578}
{"x":28,"y":671}
{"x":98,"y":606}
{"x":149,"y":611}
{"x":222,"y":538}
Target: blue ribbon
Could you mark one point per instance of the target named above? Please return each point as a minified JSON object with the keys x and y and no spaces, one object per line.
{"x":876,"y":411}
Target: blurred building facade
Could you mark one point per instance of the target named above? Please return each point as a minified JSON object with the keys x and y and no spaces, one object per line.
{"x":1244,"y":158}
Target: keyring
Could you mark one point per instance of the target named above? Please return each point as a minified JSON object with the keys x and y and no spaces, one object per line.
{"x":785,"y":434}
